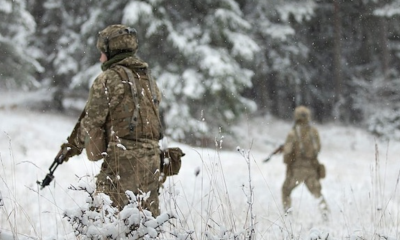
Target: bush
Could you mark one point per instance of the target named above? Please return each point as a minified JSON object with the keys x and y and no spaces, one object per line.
{"x":98,"y":219}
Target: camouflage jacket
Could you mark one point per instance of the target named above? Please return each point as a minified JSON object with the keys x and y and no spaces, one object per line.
{"x":111,"y":105}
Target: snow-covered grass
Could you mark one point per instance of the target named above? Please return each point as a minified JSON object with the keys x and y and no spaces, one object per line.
{"x":222,"y":190}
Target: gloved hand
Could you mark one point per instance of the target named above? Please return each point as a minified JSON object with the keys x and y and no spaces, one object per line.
{"x":67,"y":151}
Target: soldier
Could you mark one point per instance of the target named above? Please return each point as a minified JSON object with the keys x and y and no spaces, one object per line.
{"x":300,"y":154}
{"x":120,"y":122}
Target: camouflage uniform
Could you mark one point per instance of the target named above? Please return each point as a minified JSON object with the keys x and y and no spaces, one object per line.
{"x":127,"y":112}
{"x":300,"y":154}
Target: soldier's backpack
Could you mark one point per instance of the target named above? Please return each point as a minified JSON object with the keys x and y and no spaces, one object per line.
{"x":145,"y":101}
{"x":171,"y":162}
{"x":96,"y":142}
{"x":308,"y":145}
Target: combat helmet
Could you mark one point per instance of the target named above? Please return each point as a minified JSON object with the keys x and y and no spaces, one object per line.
{"x":302,"y":114}
{"x":117,"y":39}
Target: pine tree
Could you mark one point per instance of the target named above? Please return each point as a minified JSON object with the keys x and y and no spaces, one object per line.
{"x":198,"y":50}
{"x":376,"y":81}
{"x":283,"y":77}
{"x":18,"y":65}
{"x":59,"y":40}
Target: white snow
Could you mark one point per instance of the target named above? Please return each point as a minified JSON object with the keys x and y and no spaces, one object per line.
{"x":300,"y":11}
{"x":135,"y":10}
{"x":216,"y":191}
{"x":6,"y":7}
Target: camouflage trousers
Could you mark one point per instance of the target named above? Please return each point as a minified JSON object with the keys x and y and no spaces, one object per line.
{"x":295,"y":176}
{"x":132,"y":166}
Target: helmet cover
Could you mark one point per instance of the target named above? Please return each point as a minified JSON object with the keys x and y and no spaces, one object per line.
{"x":302,"y":113}
{"x":117,"y":38}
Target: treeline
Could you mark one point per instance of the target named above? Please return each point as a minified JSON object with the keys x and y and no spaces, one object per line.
{"x":216,"y":60}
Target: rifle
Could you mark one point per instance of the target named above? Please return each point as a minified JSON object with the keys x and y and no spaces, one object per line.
{"x":279,"y":149}
{"x":67,"y":150}
{"x":59,"y":159}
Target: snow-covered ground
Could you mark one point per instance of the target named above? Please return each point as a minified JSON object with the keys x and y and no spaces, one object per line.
{"x":360,"y":187}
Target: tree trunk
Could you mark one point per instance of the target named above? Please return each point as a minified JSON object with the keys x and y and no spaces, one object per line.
{"x":337,"y":50}
{"x":384,"y":46}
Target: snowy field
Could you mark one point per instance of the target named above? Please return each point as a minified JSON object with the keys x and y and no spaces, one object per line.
{"x":233,"y":185}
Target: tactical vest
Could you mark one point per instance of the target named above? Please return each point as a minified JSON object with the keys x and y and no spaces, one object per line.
{"x":137,"y":114}
{"x":306,"y":145}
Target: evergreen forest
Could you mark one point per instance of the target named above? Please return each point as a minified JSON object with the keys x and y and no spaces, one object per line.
{"x":217,"y":61}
